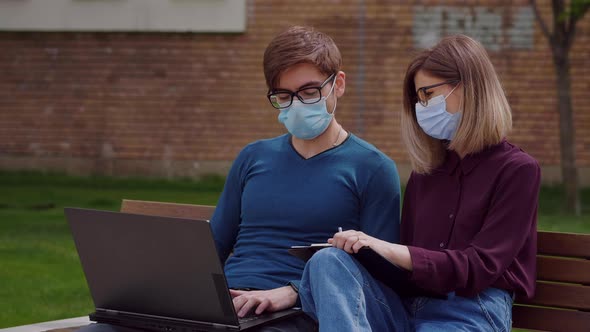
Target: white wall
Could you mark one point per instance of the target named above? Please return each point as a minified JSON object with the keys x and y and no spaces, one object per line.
{"x":123,"y":15}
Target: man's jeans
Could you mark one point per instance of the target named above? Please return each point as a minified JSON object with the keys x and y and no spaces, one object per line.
{"x":340,"y":291}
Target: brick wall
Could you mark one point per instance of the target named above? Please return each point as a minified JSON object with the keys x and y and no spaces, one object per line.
{"x":172,"y":104}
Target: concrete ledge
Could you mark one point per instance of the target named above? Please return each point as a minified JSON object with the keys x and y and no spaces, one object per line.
{"x":69,"y":324}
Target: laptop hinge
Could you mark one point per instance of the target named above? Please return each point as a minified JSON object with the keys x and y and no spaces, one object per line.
{"x":112,"y":312}
{"x":107,"y":311}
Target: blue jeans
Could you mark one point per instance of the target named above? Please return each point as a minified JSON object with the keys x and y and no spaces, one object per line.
{"x":341,"y":295}
{"x":490,"y":310}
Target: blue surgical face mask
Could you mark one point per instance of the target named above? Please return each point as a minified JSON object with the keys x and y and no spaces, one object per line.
{"x":435,"y":120}
{"x":307,"y":121}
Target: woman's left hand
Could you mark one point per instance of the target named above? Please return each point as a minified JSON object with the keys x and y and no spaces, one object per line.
{"x":352,"y":241}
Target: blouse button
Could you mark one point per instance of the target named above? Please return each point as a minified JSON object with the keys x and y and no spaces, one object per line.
{"x":442,"y":244}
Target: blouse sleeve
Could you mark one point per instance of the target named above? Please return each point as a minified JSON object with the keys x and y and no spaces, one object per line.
{"x":511,"y":217}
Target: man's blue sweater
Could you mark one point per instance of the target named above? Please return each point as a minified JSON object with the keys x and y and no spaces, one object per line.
{"x":274,"y":198}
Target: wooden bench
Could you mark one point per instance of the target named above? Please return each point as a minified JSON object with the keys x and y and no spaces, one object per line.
{"x":163,"y":209}
{"x":562,"y":299}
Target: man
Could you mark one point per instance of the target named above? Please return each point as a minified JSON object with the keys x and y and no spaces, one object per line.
{"x":299,"y":188}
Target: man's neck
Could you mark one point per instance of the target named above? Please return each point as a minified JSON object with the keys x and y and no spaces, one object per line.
{"x":333,"y":136}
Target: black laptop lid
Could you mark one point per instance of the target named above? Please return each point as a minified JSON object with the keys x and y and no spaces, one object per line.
{"x":152,"y":265}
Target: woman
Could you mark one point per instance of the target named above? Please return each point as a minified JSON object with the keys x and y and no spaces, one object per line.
{"x":468,"y":218}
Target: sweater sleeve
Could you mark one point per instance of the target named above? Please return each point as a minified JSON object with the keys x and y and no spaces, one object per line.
{"x":380,"y":203}
{"x":512,"y":213}
{"x":225,"y":222}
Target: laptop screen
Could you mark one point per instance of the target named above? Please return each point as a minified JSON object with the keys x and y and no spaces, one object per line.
{"x":152,"y":265}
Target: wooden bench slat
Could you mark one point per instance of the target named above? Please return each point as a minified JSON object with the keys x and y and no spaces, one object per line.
{"x":563,"y":270}
{"x":546,"y":319}
{"x":189,"y":211}
{"x":563,"y":244}
{"x":568,"y":296}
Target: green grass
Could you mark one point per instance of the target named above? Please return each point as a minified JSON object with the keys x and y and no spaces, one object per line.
{"x":40,"y":275}
{"x":552,"y":218}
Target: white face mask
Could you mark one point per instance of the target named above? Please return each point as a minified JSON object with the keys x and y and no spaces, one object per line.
{"x":435,"y":120}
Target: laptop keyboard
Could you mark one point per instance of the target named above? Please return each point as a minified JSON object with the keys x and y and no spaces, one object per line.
{"x":247,"y":319}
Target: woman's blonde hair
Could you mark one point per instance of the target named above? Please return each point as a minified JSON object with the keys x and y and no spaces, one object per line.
{"x":486,"y":117}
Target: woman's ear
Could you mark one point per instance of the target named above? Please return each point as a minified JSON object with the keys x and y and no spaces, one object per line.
{"x":340,"y":83}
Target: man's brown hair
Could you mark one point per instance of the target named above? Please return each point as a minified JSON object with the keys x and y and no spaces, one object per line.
{"x":299,"y":44}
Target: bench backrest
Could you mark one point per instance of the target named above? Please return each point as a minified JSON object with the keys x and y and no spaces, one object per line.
{"x":189,"y":211}
{"x":562,"y":299}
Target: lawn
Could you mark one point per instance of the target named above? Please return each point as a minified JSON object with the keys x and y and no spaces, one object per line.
{"x":40,"y":275}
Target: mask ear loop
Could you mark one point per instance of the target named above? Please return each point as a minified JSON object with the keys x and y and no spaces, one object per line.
{"x":460,"y":105}
{"x":334,"y":109}
{"x":450,"y":93}
{"x":335,"y":99}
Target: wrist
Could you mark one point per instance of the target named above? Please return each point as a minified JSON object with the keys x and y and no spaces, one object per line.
{"x":293,"y":287}
{"x":403,"y":257}
{"x":291,"y":295}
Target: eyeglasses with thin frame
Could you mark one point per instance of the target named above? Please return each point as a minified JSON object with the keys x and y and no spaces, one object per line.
{"x":308,"y":95}
{"x":423,"y":95}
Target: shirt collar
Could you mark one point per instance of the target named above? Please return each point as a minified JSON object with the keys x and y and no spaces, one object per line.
{"x":470,"y":161}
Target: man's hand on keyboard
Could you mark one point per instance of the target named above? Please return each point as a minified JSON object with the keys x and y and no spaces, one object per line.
{"x":267,"y":300}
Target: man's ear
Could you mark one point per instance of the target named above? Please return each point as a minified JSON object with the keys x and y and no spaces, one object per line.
{"x":340,"y":83}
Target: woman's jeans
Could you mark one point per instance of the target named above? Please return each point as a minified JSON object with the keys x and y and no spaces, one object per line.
{"x":341,"y":295}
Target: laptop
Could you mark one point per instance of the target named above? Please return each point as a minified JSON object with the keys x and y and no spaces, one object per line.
{"x":156,"y":273}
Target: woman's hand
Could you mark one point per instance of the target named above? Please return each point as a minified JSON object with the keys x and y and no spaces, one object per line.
{"x":352,"y":241}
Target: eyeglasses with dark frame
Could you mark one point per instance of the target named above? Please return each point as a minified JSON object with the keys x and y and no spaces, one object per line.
{"x":309,"y":95}
{"x":423,"y":97}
